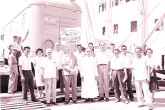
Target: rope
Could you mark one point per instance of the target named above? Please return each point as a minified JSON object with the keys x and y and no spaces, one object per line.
{"x":156,"y":38}
{"x":141,"y":23}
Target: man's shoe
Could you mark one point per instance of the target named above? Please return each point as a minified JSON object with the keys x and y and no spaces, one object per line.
{"x":100,"y":99}
{"x":25,"y":102}
{"x":11,"y":92}
{"x":117,"y":100}
{"x":35,"y":100}
{"x":54,"y":103}
{"x":107,"y":99}
{"x":66,"y":102}
{"x":126,"y":101}
{"x":87,"y":100}
{"x":47,"y":104}
{"x":92,"y":100}
{"x":132,"y":99}
{"x":140,"y":106}
{"x":75,"y":102}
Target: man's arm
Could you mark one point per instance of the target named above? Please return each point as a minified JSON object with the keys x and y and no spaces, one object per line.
{"x":25,"y":36}
{"x":126,"y":75}
{"x":20,"y":70}
{"x":148,"y":73}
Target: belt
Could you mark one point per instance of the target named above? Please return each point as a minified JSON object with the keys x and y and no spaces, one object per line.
{"x":118,"y":70}
{"x":26,"y":70}
{"x":102,"y":64}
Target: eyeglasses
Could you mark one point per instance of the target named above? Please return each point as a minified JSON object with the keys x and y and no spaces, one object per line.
{"x":123,"y":49}
{"x":116,"y":52}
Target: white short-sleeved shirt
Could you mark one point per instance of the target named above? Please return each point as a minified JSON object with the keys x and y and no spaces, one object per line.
{"x":102,"y":57}
{"x":139,"y":66}
{"x":127,"y":60}
{"x":79,"y":58}
{"x":19,"y":46}
{"x":117,"y":63}
{"x":25,"y":62}
{"x":57,"y":56}
{"x":50,"y":68}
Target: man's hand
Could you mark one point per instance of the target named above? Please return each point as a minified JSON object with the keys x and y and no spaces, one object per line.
{"x":148,"y":79}
{"x":96,"y":78}
{"x":82,"y":78}
{"x":22,"y":78}
{"x":125,"y":78}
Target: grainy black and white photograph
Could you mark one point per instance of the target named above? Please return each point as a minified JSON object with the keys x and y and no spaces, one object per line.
{"x":82,"y":54}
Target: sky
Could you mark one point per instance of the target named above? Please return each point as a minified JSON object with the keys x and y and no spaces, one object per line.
{"x":9,"y":9}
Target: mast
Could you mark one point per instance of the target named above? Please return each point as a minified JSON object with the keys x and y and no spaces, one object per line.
{"x":108,"y":31}
{"x":144,"y":19}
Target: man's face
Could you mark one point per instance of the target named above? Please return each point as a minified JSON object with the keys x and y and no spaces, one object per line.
{"x":88,"y":52}
{"x":112,"y":47}
{"x":90,"y":46}
{"x":116,"y":53}
{"x":57,"y":45}
{"x":138,"y":52}
{"x":14,"y":51}
{"x":102,"y":46}
{"x":124,"y":50}
{"x":79,"y":48}
{"x":27,"y":51}
{"x":49,"y":53}
{"x":67,"y":51}
{"x":19,"y":39}
{"x":15,"y":38}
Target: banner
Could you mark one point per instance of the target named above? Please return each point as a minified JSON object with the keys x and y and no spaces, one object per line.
{"x":70,"y":36}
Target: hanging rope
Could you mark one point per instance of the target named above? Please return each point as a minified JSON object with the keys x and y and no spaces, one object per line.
{"x":156,"y":38}
{"x":141,"y":23}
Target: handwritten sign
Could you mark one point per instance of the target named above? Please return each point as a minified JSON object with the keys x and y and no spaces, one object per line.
{"x":70,"y":35}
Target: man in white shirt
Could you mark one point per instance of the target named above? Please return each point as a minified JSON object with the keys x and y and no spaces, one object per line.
{"x":19,"y":45}
{"x":103,"y":64}
{"x":141,"y":76}
{"x":112,"y":48}
{"x":26,"y":75}
{"x":69,"y":63}
{"x":79,"y":54}
{"x":91,"y":47}
{"x":127,"y":57}
{"x":50,"y":77}
{"x":57,"y":55}
{"x":119,"y":76}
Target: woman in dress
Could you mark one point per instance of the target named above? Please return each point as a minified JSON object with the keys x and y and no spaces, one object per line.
{"x":38,"y":72}
{"x":89,"y":77}
{"x":153,"y":79}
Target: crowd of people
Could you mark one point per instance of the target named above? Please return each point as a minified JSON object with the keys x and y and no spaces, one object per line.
{"x":100,"y":71}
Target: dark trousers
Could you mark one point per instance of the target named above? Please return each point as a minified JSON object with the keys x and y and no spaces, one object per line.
{"x":129,"y":84}
{"x":28,"y":83}
{"x":118,"y":76}
{"x":61,"y":80}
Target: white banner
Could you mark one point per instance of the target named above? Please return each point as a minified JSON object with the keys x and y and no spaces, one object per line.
{"x":70,"y":36}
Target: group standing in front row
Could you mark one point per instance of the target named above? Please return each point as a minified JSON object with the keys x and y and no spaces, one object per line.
{"x":96,"y":68}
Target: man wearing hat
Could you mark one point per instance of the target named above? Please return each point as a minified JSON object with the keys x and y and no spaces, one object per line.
{"x":13,"y":77}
